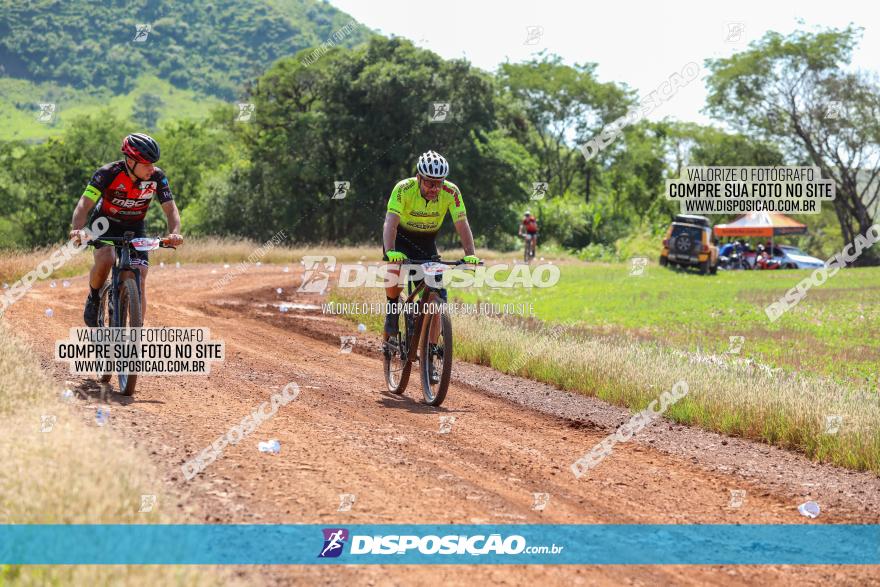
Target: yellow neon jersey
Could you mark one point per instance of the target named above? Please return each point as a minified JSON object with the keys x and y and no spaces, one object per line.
{"x":418,"y":214}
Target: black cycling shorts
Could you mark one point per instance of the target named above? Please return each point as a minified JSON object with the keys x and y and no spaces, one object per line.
{"x":118,"y":229}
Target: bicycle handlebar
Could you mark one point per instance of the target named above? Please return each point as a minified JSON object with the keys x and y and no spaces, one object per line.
{"x":450,"y":263}
{"x":121,"y":239}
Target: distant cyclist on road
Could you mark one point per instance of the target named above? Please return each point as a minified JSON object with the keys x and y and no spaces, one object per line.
{"x":416,"y":210}
{"x":529,"y":226}
{"x":121,"y":192}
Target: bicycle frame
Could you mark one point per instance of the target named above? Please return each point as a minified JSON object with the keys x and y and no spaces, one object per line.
{"x":421,"y":292}
{"x":121,"y":263}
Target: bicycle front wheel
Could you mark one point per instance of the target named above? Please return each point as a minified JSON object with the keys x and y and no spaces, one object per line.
{"x":435,"y":360}
{"x":130,"y":315}
{"x":105,"y":318}
{"x":396,"y":364}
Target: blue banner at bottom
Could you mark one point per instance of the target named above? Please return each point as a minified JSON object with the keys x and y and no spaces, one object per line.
{"x":604,"y":544}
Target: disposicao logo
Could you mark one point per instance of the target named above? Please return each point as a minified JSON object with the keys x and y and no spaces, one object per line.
{"x":334,"y":541}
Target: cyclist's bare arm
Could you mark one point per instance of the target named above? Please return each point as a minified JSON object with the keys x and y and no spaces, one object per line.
{"x":80,"y":216}
{"x":172,"y":215}
{"x":389,"y":231}
{"x":463,"y":228}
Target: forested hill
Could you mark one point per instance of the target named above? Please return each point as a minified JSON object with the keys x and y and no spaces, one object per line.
{"x":212,"y":48}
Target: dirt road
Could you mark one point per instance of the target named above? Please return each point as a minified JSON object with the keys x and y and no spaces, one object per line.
{"x":345,"y":435}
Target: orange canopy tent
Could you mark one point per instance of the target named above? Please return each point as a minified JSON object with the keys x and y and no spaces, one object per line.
{"x":761,"y":224}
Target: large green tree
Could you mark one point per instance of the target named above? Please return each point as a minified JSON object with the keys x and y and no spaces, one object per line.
{"x":797,"y":91}
{"x":362,"y":116}
{"x":566,"y":106}
{"x":41,"y":183}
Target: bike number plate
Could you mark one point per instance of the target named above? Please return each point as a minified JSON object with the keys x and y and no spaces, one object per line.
{"x":145,"y":244}
{"x":434,"y":268}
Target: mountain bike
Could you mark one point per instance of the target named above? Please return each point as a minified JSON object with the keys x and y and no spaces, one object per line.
{"x":425,"y":319}
{"x":119,"y":305}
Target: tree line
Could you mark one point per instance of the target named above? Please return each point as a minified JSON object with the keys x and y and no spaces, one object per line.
{"x":363,"y":115}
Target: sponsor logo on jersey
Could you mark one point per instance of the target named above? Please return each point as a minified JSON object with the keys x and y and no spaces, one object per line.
{"x":422,"y":226}
{"x":128,"y":202}
{"x":148,"y":189}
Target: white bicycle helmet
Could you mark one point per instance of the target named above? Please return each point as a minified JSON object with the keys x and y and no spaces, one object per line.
{"x":433,"y":166}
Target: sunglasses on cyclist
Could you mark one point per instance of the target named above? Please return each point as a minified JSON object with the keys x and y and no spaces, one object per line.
{"x":431,"y":183}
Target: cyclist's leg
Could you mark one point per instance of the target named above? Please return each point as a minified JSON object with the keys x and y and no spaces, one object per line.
{"x":97,"y":276}
{"x":414,"y":246}
{"x":392,"y":294}
{"x":392,"y":276}
{"x":104,"y":254}
{"x":104,"y":258}
{"x":143,"y":268}
{"x":141,"y":260}
{"x":392,"y":298}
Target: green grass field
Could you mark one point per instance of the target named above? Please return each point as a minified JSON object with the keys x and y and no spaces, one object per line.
{"x":832,"y":332}
{"x":625,"y":339}
{"x":20,"y":99}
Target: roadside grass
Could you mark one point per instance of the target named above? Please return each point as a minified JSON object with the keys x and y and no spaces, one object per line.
{"x":832,"y":331}
{"x":74,"y":474}
{"x":14,"y":264}
{"x":727,"y":394}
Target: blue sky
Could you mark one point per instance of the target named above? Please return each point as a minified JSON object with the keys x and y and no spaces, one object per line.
{"x":638,"y":43}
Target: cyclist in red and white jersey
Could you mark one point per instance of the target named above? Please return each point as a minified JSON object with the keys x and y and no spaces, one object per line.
{"x":529,"y":226}
{"x":121,"y":192}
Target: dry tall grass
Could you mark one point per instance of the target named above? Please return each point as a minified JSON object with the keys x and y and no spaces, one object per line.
{"x":76,"y":473}
{"x":726,"y":394}
{"x":15,"y":264}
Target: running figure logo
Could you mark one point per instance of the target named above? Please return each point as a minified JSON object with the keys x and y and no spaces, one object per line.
{"x":341,"y":188}
{"x":439,"y":112}
{"x":334,"y":541}
{"x":47,"y":113}
{"x":142,"y":32}
{"x":316,"y":273}
{"x":735,"y":32}
{"x":533,"y":35}
{"x":245,"y":112}
{"x":539,"y":190}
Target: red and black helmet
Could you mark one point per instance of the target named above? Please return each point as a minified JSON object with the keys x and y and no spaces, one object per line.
{"x":140,"y":147}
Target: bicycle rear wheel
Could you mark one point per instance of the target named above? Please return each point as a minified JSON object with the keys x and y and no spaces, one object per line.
{"x":130,"y":315}
{"x":396,"y":363}
{"x":436,"y":358}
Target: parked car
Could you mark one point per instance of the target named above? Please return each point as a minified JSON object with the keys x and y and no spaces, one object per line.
{"x":793,"y":258}
{"x":689,"y":243}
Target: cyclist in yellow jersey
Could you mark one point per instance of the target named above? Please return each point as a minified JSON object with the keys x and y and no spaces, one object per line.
{"x":416,"y":210}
